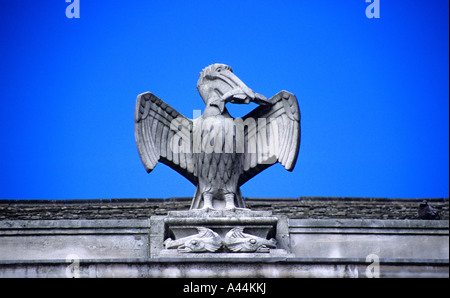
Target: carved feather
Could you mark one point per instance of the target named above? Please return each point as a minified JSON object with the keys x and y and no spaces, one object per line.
{"x":286,"y":113}
{"x":154,"y":136}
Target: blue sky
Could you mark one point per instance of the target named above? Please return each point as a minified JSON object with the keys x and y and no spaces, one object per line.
{"x":373,"y":93}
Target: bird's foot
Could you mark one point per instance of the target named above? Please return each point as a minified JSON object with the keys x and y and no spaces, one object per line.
{"x":234,"y":208}
{"x":242,"y":209}
{"x":230,"y":208}
{"x":207,"y":208}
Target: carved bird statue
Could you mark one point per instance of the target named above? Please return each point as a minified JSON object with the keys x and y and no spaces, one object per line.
{"x":217,"y":152}
{"x":426,"y":211}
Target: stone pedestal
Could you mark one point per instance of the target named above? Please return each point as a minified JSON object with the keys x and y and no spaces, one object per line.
{"x":229,"y":233}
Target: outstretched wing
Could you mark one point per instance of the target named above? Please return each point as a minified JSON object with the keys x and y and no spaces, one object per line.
{"x":162,"y":134}
{"x":272,"y":135}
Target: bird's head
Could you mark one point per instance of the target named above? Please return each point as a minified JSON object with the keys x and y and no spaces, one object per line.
{"x":218,"y":85}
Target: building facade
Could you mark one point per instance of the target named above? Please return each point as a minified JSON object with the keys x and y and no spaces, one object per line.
{"x":316,"y":237}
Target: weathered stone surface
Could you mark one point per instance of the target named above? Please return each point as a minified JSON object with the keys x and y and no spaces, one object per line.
{"x":347,"y":238}
{"x":212,"y":231}
{"x":319,"y":248}
{"x":58,"y":239}
{"x":224,"y":268}
{"x":303,"y":208}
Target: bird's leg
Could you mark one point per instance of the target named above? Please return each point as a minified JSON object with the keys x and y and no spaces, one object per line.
{"x":229,"y":201}
{"x":207,"y":201}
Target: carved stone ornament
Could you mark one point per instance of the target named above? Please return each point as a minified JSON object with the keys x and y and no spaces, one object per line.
{"x":205,"y":241}
{"x":216,"y":152}
{"x":238,"y":241}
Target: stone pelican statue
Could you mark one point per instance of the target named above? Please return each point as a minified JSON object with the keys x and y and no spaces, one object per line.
{"x":216,"y":152}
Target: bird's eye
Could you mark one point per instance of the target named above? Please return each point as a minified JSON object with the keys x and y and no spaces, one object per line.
{"x":219,"y":69}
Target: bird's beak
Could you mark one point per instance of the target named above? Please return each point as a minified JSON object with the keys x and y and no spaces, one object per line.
{"x":240,"y":93}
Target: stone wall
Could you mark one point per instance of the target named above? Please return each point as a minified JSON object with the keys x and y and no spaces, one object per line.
{"x":317,"y":248}
{"x":347,"y":207}
{"x":321,"y":237}
{"x":302,"y":208}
